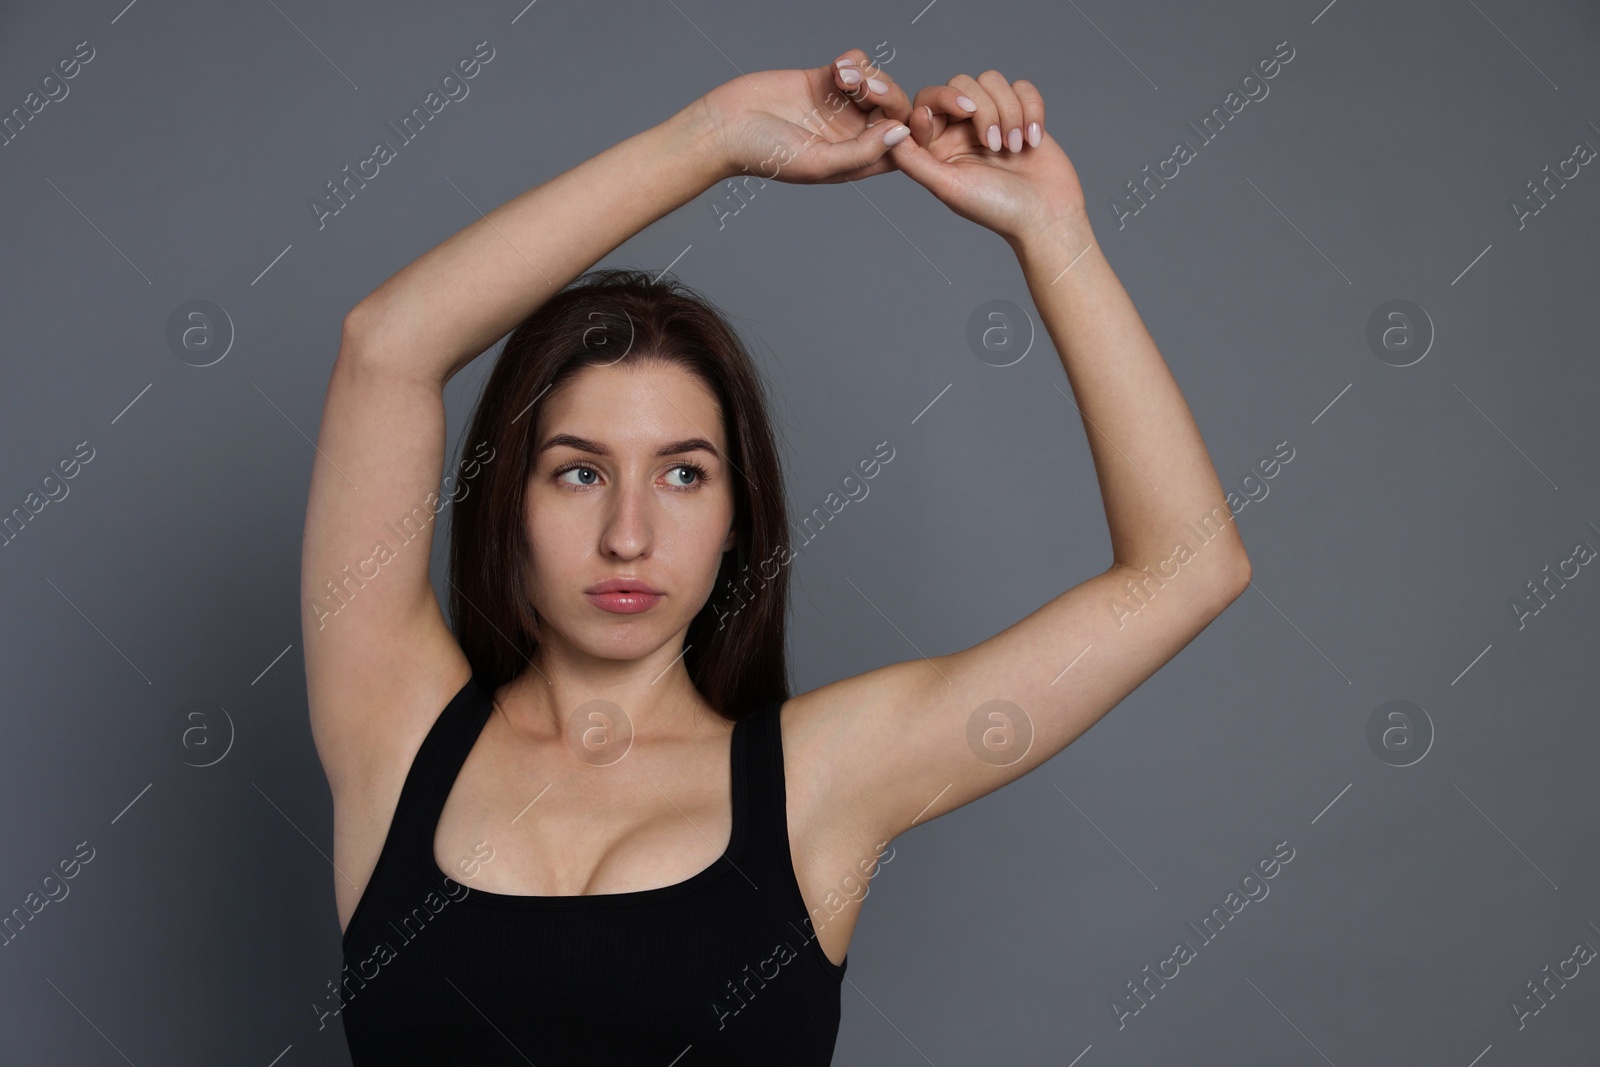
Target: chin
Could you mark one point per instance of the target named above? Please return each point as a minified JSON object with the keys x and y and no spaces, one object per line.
{"x":624,"y":651}
{"x":627,"y":641}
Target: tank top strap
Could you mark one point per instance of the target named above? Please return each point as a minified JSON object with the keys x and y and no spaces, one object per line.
{"x":767,"y":842}
{"x":767,"y":851}
{"x":767,"y":856}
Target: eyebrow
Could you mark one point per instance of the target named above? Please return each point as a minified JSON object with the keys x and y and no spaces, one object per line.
{"x":583,"y":444}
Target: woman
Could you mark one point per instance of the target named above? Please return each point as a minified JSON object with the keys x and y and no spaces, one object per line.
{"x":621,"y":840}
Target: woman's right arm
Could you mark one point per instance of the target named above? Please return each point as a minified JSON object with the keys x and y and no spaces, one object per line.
{"x":443,"y":310}
{"x":380,"y":658}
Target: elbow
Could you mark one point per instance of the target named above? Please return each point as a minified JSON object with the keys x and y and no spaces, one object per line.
{"x":373,"y":340}
{"x":356,"y":326}
{"x":363,"y":341}
{"x":1235,"y":581}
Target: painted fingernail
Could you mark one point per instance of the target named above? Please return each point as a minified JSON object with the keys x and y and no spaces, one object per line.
{"x":849,"y":75}
{"x":1033,"y":134}
{"x":1014,"y":140}
{"x":895,"y":135}
{"x":994,"y":138}
{"x":845,"y":62}
{"x":877,"y":86}
{"x":968,"y":104}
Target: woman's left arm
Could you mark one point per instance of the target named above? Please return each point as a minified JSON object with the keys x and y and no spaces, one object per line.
{"x":898,"y":745}
{"x":1155,"y":474}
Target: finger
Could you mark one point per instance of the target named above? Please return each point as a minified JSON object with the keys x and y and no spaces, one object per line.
{"x":1032,"y":110}
{"x":924,"y":168}
{"x":935,"y":107}
{"x":865,"y":83}
{"x":1005,"y":99}
{"x":847,"y":76}
{"x":882,"y":165}
{"x":925,"y":125}
{"x":986,"y":120}
{"x":871,"y":146}
{"x":925,"y":122}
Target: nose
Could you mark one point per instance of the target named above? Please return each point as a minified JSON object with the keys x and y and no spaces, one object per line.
{"x":627,"y":530}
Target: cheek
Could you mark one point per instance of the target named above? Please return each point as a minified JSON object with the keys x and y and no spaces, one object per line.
{"x":556,"y":537}
{"x":684,"y":552}
{"x":709,"y":538}
{"x":688,"y":550}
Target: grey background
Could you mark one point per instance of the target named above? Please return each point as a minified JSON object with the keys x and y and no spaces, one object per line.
{"x":1386,"y":555}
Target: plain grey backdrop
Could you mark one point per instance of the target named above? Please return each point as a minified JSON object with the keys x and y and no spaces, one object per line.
{"x":1443,"y":485}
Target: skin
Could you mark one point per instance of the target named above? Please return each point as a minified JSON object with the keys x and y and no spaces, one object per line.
{"x":866,"y":757}
{"x":632,"y":513}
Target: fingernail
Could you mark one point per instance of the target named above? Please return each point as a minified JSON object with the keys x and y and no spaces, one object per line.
{"x":968,"y":104}
{"x":849,"y":75}
{"x":994,"y":138}
{"x":845,"y":62}
{"x":877,"y":86}
{"x":895,"y":135}
{"x":1033,"y":134}
{"x":1014,"y":140}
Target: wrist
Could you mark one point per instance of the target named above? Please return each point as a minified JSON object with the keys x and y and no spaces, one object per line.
{"x":695,"y":136}
{"x":1056,"y":242}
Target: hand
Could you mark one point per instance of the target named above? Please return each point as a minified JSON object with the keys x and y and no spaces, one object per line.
{"x":810,"y":125}
{"x":989,"y":165}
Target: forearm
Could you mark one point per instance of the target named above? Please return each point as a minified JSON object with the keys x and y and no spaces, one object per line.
{"x":1156,"y":477}
{"x":442,"y":310}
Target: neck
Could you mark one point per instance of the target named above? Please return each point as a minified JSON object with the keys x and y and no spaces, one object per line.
{"x":596,"y":702}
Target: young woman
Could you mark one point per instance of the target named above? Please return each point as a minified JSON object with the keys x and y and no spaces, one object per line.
{"x":585,"y":821}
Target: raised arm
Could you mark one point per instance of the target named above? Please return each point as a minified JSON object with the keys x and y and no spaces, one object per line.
{"x":803,"y":125}
{"x":380,"y":658}
{"x":913,"y":740}
{"x":441,"y":311}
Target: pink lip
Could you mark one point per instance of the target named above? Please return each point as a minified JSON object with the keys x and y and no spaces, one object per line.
{"x":622,"y":585}
{"x":623,"y":603}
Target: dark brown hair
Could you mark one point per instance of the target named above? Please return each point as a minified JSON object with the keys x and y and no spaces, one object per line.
{"x":735,"y":654}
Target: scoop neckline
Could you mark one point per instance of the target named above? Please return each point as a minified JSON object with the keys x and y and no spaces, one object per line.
{"x":727,"y":860}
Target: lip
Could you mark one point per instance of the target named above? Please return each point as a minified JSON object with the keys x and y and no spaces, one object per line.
{"x":624,"y":603}
{"x":623,"y":596}
{"x":623,"y":585}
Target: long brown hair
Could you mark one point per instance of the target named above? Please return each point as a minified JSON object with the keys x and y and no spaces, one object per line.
{"x":735,"y":645}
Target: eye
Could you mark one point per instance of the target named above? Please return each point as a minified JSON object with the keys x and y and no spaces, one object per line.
{"x":588,"y":476}
{"x":696,"y":469}
{"x":579,"y":468}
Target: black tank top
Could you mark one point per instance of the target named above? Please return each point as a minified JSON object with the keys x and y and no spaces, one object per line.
{"x":723,"y":968}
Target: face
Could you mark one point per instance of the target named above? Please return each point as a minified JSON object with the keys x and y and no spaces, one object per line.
{"x":629,"y":482}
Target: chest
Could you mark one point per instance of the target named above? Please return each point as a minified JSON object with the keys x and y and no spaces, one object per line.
{"x":529,"y":820}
